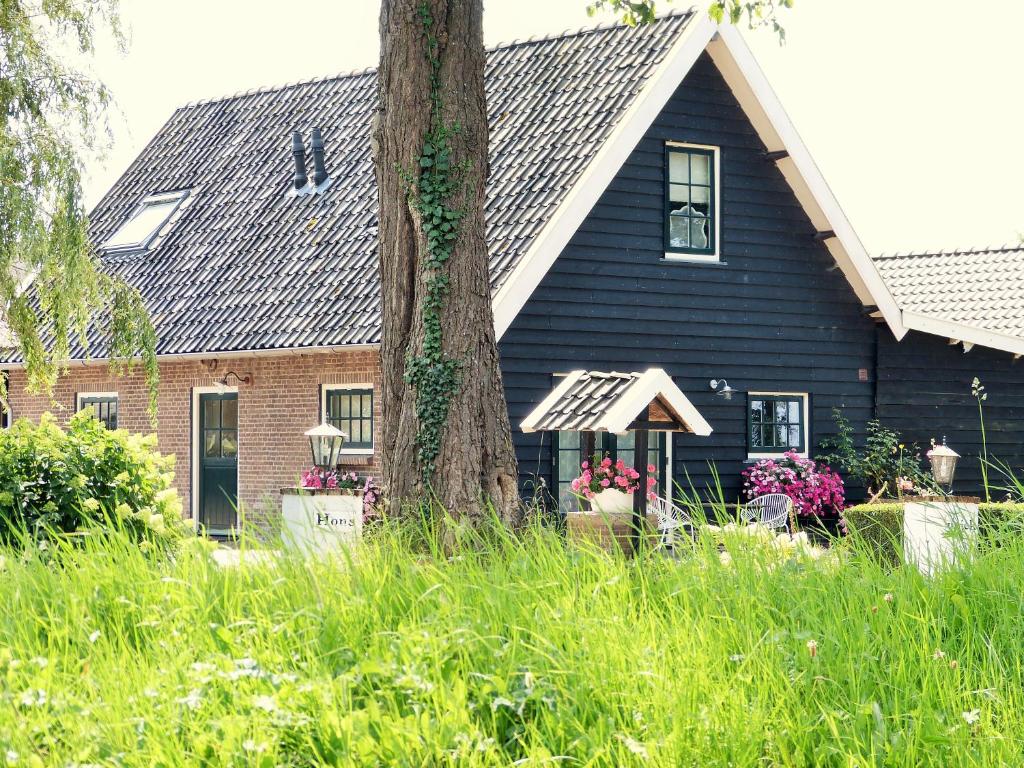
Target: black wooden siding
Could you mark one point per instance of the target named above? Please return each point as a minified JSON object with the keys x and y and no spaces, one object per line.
{"x":776,"y":316}
{"x":924,"y":390}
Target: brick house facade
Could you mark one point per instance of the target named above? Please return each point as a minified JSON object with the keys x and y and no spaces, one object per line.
{"x":282,"y":401}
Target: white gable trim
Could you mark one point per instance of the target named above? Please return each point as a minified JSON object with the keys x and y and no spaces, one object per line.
{"x":594,"y":180}
{"x":529,"y":424}
{"x":654,"y":383}
{"x":743,"y":75}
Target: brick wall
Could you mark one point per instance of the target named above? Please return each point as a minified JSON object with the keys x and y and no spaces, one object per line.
{"x":274,"y":411}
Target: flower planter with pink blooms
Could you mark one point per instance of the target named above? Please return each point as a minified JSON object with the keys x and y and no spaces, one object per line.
{"x":816,"y":490}
{"x":608,"y":487}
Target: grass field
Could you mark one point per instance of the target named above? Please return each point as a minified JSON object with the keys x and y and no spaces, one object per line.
{"x":527,"y":653}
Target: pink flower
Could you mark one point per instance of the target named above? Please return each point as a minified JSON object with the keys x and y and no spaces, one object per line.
{"x":650,"y":482}
{"x":620,"y":465}
{"x":575,"y":484}
{"x":651,"y":468}
{"x":584,"y":465}
{"x":605,"y":483}
{"x":606,"y":462}
{"x":621,"y":481}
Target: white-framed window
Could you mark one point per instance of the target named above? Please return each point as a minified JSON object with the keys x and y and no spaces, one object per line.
{"x":146,"y":221}
{"x":777,"y":422}
{"x":692,"y":202}
{"x":349,"y":407}
{"x":104,"y":406}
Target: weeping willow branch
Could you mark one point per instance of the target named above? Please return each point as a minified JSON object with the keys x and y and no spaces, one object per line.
{"x":52,"y":286}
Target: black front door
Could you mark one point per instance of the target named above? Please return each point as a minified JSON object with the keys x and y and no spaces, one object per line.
{"x":218,"y":462}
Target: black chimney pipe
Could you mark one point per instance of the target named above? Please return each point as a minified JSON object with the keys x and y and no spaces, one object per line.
{"x":300,"y":179}
{"x":319,"y":171}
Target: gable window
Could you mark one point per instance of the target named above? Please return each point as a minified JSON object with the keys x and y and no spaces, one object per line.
{"x":145,"y":222}
{"x":350,"y":409}
{"x":102,"y":404}
{"x":569,"y":455}
{"x":691,"y":202}
{"x":776,"y":423}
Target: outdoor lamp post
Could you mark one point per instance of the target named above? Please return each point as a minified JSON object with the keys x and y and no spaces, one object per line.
{"x":943,"y":460}
{"x":325,"y":442}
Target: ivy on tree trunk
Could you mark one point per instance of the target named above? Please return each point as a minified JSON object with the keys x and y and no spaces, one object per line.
{"x":445,"y":433}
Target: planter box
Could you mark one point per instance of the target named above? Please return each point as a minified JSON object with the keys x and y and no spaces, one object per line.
{"x":319,"y":522}
{"x":939,"y":533}
{"x":611,"y":532}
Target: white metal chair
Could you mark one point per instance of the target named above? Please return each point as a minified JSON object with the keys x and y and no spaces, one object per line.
{"x":672,"y":521}
{"x":773,"y":510}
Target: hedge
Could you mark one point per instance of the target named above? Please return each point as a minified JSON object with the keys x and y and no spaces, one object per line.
{"x":880,"y":526}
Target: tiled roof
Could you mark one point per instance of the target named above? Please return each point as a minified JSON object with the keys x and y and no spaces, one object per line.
{"x":981,"y":289}
{"x":584,"y":403}
{"x":595,"y":401}
{"x":245,"y":267}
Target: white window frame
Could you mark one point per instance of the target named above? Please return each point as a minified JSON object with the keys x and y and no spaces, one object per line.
{"x":219,"y":389}
{"x":702,"y":258}
{"x":81,"y":396}
{"x":807,"y":424}
{"x":324,"y":389}
{"x":180,"y":196}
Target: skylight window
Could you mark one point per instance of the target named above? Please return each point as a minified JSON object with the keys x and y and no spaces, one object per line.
{"x":147,"y":220}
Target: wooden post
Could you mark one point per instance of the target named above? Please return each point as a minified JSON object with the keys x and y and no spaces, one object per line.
{"x":640,"y":497}
{"x":588,"y":455}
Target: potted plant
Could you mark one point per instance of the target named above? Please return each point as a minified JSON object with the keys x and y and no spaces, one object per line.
{"x":609,"y":488}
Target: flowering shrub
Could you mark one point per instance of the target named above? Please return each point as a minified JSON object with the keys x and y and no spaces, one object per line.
{"x":314,"y":479}
{"x":371,"y":499}
{"x":55,"y":481}
{"x":814,"y":489}
{"x":601,"y":475}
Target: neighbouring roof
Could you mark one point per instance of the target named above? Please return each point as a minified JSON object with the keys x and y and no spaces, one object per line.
{"x":593,"y":401}
{"x":974,"y":296}
{"x":243,"y":267}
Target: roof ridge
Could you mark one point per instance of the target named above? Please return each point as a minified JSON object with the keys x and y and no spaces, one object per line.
{"x":563,"y":35}
{"x":1005,"y":248}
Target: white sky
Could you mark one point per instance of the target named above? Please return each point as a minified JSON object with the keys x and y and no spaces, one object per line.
{"x":911,"y":110}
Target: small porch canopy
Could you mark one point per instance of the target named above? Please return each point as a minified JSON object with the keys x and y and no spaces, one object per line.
{"x":592,"y":401}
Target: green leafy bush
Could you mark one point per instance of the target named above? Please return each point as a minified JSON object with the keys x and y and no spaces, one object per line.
{"x":880,"y":526}
{"x":56,"y":481}
{"x":885,"y":464}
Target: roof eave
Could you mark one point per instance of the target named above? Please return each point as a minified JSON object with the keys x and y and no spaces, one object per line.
{"x":757,"y":99}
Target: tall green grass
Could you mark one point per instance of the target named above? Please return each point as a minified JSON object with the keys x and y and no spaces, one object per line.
{"x":512,"y":651}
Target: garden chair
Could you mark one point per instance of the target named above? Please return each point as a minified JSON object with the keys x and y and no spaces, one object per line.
{"x":773,"y":510}
{"x":672,"y":521}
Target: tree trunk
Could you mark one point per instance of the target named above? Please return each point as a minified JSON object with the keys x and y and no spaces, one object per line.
{"x":432,"y":75}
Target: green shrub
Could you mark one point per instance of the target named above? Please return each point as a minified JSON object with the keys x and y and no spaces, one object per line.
{"x":880,"y":526}
{"x":55,"y":481}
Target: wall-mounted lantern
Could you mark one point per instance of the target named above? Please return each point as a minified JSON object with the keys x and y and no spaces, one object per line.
{"x":721,"y":388}
{"x":943,"y":460}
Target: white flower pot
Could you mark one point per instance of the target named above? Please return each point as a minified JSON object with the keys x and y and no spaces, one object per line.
{"x":612,"y":502}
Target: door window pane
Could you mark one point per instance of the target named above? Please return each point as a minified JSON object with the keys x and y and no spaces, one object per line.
{"x":229,"y":414}
{"x":211,"y":413}
{"x":212,"y":443}
{"x":228,"y":443}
